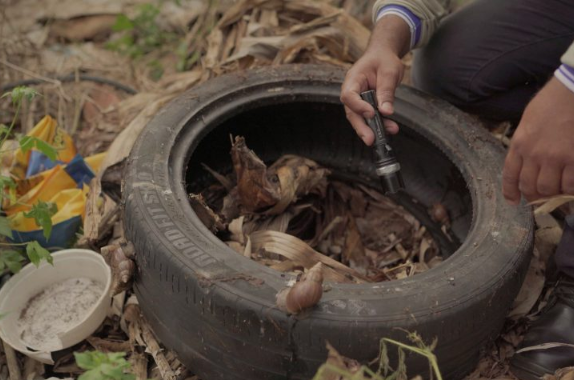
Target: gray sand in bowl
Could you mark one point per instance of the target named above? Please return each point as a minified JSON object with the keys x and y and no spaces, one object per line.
{"x":55,"y":310}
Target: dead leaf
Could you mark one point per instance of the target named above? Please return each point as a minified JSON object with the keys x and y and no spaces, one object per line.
{"x":223,"y":180}
{"x":84,"y":27}
{"x":236,"y":246}
{"x":561,"y":374}
{"x":207,"y":216}
{"x":236,"y":229}
{"x":255,"y":188}
{"x":301,"y":253}
{"x":548,"y":205}
{"x":425,"y":245}
{"x":122,"y":145}
{"x":531,"y":289}
{"x":230,"y":209}
{"x":297,"y":176}
{"x":354,"y":251}
{"x":100,"y":99}
{"x":248,"y":249}
{"x":338,"y":361}
{"x":544,"y":346}
{"x":108,"y":345}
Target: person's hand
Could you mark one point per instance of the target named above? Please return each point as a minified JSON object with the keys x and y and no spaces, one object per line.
{"x":380,"y":69}
{"x":540,"y":162}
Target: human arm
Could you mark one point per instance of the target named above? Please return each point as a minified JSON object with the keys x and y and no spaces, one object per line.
{"x":540,"y":161}
{"x":400,"y":25}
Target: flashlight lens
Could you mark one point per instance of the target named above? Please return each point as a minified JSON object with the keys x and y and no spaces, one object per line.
{"x":392,"y":183}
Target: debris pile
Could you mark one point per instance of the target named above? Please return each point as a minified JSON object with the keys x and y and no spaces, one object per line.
{"x":292,"y":215}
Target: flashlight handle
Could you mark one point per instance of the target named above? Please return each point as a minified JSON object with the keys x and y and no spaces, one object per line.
{"x":382,"y":150}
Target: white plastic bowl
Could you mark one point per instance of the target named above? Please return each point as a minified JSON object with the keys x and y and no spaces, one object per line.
{"x":69,"y":263}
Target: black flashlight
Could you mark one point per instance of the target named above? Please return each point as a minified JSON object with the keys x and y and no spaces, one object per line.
{"x":387,"y":167}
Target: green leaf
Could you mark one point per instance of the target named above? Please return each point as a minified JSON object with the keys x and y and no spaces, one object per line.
{"x":102,"y":366}
{"x":42,"y":213}
{"x":29,"y":142}
{"x":87,"y":360}
{"x":4,"y":130}
{"x":93,"y":374}
{"x":47,"y":149}
{"x":36,"y":253}
{"x":7,"y":182}
{"x":122,"y":23}
{"x":11,"y":259}
{"x":20,"y":93}
{"x":26,"y":143}
{"x":112,"y":370}
{"x":5,"y":229}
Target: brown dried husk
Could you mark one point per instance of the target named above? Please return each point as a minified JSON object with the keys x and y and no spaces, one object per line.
{"x":292,"y":215}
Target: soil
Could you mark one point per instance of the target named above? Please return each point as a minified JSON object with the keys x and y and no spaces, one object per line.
{"x":55,"y":310}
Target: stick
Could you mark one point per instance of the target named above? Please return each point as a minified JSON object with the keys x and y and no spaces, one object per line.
{"x":12,"y":361}
{"x":32,"y":367}
{"x":139,"y":365}
{"x":30,"y":73}
{"x":155,"y":350}
{"x":55,"y":82}
{"x":134,"y":317}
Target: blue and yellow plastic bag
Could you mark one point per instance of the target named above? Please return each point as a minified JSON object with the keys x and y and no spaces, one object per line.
{"x":63,"y":182}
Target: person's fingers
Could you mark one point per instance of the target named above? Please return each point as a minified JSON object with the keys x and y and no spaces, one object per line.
{"x":529,"y":179}
{"x":391,"y":126}
{"x":511,"y":176}
{"x":568,"y":180}
{"x":359,"y":125}
{"x":387,"y":81}
{"x":549,"y":180}
{"x":350,"y":94}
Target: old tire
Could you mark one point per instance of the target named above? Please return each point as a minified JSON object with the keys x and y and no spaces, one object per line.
{"x":216,"y":309}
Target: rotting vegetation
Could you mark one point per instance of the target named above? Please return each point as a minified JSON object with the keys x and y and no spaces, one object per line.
{"x":293,"y":214}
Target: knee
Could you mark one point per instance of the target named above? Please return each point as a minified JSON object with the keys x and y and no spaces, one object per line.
{"x":442,"y":69}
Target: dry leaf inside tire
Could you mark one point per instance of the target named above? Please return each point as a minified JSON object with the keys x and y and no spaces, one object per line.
{"x":255,"y":189}
{"x":297,"y":176}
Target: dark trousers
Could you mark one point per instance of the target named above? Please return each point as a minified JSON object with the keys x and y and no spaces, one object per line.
{"x":492,"y":56}
{"x":490,"y":59}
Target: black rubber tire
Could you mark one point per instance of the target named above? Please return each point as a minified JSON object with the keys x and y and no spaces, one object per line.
{"x":216,"y":308}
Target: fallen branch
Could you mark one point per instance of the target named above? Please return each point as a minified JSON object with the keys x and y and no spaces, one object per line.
{"x":139,"y":365}
{"x":133,"y":316}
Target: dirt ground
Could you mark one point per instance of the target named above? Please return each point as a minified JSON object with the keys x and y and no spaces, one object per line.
{"x":104,"y":67}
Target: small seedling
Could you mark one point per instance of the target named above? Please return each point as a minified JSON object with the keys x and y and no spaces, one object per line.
{"x":42,"y":213}
{"x":385,"y":371}
{"x":100,"y":366}
{"x":139,"y":35}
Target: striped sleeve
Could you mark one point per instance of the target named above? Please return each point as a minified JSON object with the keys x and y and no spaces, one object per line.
{"x":409,"y":17}
{"x":565,"y":74}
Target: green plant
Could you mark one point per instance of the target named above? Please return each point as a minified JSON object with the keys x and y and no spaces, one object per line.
{"x":100,"y":366}
{"x":42,"y":213}
{"x":385,"y":371}
{"x":11,"y":254}
{"x":139,"y":35}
